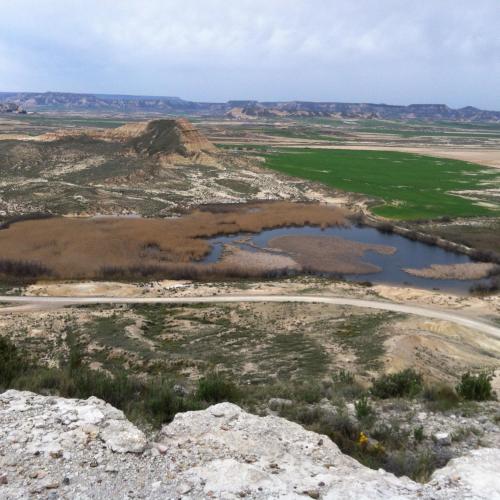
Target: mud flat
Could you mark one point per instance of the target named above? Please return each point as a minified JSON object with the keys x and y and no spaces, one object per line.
{"x":467,"y":271}
{"x":258,"y":260}
{"x":329,"y":254}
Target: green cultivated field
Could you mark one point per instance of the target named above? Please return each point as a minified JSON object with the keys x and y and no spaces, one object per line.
{"x":410,"y":186}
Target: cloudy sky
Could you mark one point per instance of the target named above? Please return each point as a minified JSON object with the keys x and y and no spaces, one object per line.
{"x":393,"y":51}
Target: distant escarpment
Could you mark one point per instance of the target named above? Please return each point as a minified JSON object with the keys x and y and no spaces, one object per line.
{"x":425,"y":112}
{"x":244,"y":109}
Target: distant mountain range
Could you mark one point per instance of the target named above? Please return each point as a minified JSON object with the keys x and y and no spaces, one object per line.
{"x":238,"y":110}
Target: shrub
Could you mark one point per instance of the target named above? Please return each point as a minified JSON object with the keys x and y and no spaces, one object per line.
{"x":475,"y":387}
{"x":487,"y":288}
{"x":343,"y":377}
{"x":341,"y":430}
{"x":418,"y":467}
{"x":418,"y":434}
{"x":23,"y":269}
{"x":363,"y":408}
{"x":162,"y":403}
{"x":406,"y":383}
{"x":308,"y":392}
{"x":11,"y":363}
{"x":345,"y":386}
{"x":441,"y":398}
{"x":214,"y":388}
{"x":385,"y":227}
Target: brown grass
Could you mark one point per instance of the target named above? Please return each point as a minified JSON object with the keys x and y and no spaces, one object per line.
{"x":328,"y":254}
{"x":467,"y":271}
{"x":82,"y":248}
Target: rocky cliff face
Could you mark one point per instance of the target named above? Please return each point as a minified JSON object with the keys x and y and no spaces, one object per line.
{"x":51,"y":447}
{"x":10,"y":107}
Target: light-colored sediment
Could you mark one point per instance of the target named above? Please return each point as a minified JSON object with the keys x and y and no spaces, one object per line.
{"x":467,"y":271}
{"x":258,"y":261}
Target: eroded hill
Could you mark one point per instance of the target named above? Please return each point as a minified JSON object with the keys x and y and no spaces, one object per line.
{"x":159,"y":167}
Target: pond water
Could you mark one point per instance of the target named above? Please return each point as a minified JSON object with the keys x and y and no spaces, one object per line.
{"x":409,"y":254}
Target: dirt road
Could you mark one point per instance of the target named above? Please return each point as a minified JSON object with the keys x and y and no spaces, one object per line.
{"x":37,"y":302}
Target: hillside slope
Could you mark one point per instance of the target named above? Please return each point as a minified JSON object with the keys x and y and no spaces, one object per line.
{"x":160,"y":167}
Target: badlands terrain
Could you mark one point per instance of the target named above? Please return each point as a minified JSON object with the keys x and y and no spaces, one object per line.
{"x":336,"y":269}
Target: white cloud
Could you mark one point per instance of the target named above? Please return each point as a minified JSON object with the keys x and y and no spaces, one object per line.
{"x":220,"y":49}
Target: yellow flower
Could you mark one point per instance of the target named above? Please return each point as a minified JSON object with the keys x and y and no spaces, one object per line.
{"x":363,"y":439}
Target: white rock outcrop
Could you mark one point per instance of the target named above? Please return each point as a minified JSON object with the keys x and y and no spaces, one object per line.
{"x":78,"y":449}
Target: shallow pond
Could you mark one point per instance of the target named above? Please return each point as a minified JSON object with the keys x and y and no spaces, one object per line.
{"x":409,"y":254}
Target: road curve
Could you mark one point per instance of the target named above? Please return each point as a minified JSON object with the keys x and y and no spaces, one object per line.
{"x":425,"y":312}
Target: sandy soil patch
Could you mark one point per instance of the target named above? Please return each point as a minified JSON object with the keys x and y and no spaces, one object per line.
{"x":330,"y":254}
{"x":95,"y":288}
{"x":468,"y":271}
{"x":438,"y":349}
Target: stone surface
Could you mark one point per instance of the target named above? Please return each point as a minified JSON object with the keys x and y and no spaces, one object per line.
{"x":53,"y":447}
{"x":121,"y":436}
{"x":442,"y":438}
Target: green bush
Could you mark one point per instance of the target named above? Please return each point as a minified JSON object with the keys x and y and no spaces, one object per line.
{"x":475,"y":387}
{"x":418,"y":434}
{"x":162,"y":404}
{"x":406,"y":383}
{"x":363,"y":408}
{"x":11,"y":363}
{"x":215,"y":388}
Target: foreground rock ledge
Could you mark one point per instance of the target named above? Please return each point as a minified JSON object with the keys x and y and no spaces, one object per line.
{"x":55,"y":447}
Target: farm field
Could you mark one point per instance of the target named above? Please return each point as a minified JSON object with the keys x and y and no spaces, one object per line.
{"x":409,"y":186}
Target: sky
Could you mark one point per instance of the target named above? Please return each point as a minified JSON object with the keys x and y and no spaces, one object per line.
{"x":390,"y":51}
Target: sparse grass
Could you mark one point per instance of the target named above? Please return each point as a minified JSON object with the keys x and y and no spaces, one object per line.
{"x":365,"y":336}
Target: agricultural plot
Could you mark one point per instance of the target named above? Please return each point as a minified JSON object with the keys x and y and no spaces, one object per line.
{"x":406,"y":186}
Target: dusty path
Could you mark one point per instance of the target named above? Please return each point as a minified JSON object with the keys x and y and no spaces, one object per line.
{"x":453,"y":317}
